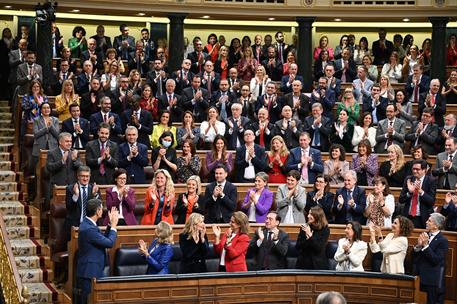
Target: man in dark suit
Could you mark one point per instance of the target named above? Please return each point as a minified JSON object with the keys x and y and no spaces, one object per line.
{"x":448,"y":130}
{"x":236,"y":126}
{"x":270,"y":244}
{"x":196,"y":99}
{"x":121,"y":96}
{"x":433,"y":99}
{"x":272,"y":65}
{"x":417,"y":84}
{"x":234,"y":82}
{"x":345,"y":67}
{"x":147,"y":45}
{"x":287,"y":81}
{"x":424,"y":132}
{"x":124,"y":44}
{"x":350,"y":201}
{"x":220,"y":198}
{"x":298,"y":102}
{"x":133,"y":157}
{"x":257,"y":49}
{"x":280,"y":46}
{"x":157,"y":77}
{"x":429,"y":256}
{"x":78,"y":127}
{"x":183,"y":77}
{"x":92,"y":245}
{"x":223,"y":100}
{"x":170,"y":101}
{"x":58,"y":77}
{"x":263,"y":129}
{"x":305,"y":160}
{"x":271,"y":102}
{"x":28,"y":71}
{"x":102,"y":42}
{"x":90,"y":101}
{"x":319,"y":128}
{"x":250,"y":159}
{"x":390,"y":130}
{"x":139,"y":60}
{"x":198,"y":58}
{"x":140,"y":119}
{"x":77,"y":195}
{"x":418,"y":194}
{"x":93,"y":56}
{"x":15,"y":58}
{"x":210,"y":79}
{"x":101,"y":157}
{"x":446,"y":165}
{"x":375,"y":104}
{"x":325,"y":96}
{"x":382,"y":48}
{"x":106,"y":116}
{"x":288,"y":128}
{"x":84,"y":78}
{"x":449,"y":210}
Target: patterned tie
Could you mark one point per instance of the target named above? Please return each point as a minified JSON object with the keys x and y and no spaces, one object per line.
{"x":102,"y":165}
{"x":304,"y":170}
{"x":84,"y":202}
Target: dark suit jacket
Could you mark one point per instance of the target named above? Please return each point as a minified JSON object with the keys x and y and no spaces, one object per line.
{"x":311,"y":252}
{"x":228,"y":104}
{"x":74,"y":208}
{"x":274,"y":111}
{"x":176,"y":111}
{"x":327,"y":101}
{"x":181,"y":84}
{"x":200,"y":107}
{"x":426,"y":139}
{"x":324,"y":131}
{"x":314,"y":169}
{"x":347,"y":213}
{"x":305,"y":106}
{"x":222,"y":208}
{"x":135,"y":166}
{"x":214,"y":82}
{"x":273,"y":71}
{"x":146,"y":123}
{"x":23,"y":81}
{"x":259,"y":161}
{"x":91,"y":249}
{"x":439,"y":109}
{"x":102,"y":47}
{"x":381,"y":56}
{"x":380,"y":109}
{"x":117,"y":44}
{"x":181,"y":210}
{"x":254,"y":126}
{"x":426,"y":201}
{"x":326,"y":203}
{"x":193,"y":254}
{"x":262,"y":55}
{"x":67,"y":126}
{"x":424,"y":85}
{"x":98,"y":64}
{"x":92,"y":155}
{"x":155,"y":84}
{"x":290,"y":137}
{"x":351,"y":72}
{"x":270,"y":254}
{"x":430,"y":264}
{"x":87,"y":107}
{"x":196,"y":67}
{"x":451,"y":214}
{"x":238,"y":133}
{"x":96,"y":119}
{"x":61,"y":174}
{"x":14,"y":61}
{"x":82,"y":84}
{"x":285,"y":86}
{"x":142,"y":66}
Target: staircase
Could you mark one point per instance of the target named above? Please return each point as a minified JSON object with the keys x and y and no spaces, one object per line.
{"x":32,"y":255}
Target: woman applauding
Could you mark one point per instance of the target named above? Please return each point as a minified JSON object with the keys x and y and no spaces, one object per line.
{"x":191,"y":201}
{"x":351,"y":249}
{"x":194,"y":245}
{"x":258,"y":200}
{"x":160,"y":199}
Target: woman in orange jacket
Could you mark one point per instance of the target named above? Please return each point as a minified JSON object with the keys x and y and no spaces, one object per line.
{"x":160,"y":199}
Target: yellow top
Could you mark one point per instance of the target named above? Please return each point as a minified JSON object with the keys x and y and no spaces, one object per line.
{"x":157,"y":132}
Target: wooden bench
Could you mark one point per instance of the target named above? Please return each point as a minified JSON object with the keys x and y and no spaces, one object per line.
{"x":129,"y":236}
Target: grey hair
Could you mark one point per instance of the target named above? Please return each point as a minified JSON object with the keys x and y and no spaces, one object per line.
{"x":131,"y":128}
{"x":263,"y":176}
{"x":330,"y":297}
{"x":170,"y":81}
{"x":317,"y":105}
{"x":64,"y":135}
{"x":439,"y":219}
{"x":353,"y":174}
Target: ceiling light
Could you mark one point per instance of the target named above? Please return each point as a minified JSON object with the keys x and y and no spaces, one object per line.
{"x":271,"y":18}
{"x":75,"y":10}
{"x":405,"y":19}
{"x":8,"y":6}
{"x":206,"y":17}
{"x":141,"y":14}
{"x":337,"y":19}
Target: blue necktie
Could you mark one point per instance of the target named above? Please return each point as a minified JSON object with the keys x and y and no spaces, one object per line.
{"x":317,"y":137}
{"x":83,"y":207}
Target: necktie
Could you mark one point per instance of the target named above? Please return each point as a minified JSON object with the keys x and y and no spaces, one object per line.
{"x":102,"y":165}
{"x":280,"y":53}
{"x":64,"y":76}
{"x":159,"y":86}
{"x":209,"y":85}
{"x":389,"y":139}
{"x":105,"y":118}
{"x":343,"y":75}
{"x":170,"y":99}
{"x":30,"y":70}
{"x":262,"y":137}
{"x":416,"y":93}
{"x":223,"y":111}
{"x":317,"y":137}
{"x":304,"y":170}
{"x":269,"y":235}
{"x":84,"y":202}
{"x":76,"y":142}
{"x":432,"y":100}
{"x":414,"y":203}
{"x":199,"y":61}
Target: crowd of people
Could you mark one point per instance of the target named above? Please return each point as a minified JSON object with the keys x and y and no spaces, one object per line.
{"x":244,"y":103}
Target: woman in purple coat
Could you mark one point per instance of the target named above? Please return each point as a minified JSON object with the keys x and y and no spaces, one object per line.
{"x":122,"y":197}
{"x":258,"y":200}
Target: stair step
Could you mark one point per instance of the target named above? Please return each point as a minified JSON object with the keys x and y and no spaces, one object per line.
{"x":6,"y":147}
{"x":12,"y":208}
{"x":4,"y":103}
{"x":23,"y":262}
{"x":9,"y":196}
{"x":6,"y":139}
{"x":4,"y":156}
{"x":15,"y":220}
{"x":36,"y":275}
{"x":42,"y":293}
{"x":5,"y":165}
{"x":8,"y":187}
{"x":5,"y":108}
{"x":7,"y":176}
{"x":6,"y":115}
{"x":7,"y":131}
{"x":19,"y":232}
{"x":29,"y":247}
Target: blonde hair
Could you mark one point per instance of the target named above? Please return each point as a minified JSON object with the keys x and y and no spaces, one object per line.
{"x":283,"y":152}
{"x":389,"y":86}
{"x":241,"y":219}
{"x":164,"y":233}
{"x":73,"y":96}
{"x":169,"y":185}
{"x":400,"y":157}
{"x":192,"y":221}
{"x":196,"y":178}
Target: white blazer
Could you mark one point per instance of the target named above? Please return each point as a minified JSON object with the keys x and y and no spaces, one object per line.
{"x":352,"y":261}
{"x":394,"y":252}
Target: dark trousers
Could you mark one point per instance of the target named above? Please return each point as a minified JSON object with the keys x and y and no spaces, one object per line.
{"x":84,"y":288}
{"x":417,"y":221}
{"x":435,"y":295}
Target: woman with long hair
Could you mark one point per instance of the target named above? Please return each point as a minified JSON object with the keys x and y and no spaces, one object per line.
{"x":135,"y":82}
{"x":160,"y":252}
{"x":232,"y":245}
{"x":361,"y":50}
{"x":247,"y":65}
{"x":160,"y":199}
{"x":110,"y":80}
{"x":32,"y":101}
{"x":77,"y":43}
{"x":411,"y":59}
{"x":290,"y":58}
{"x":319,"y":65}
{"x":351,"y":249}
{"x":394,"y":246}
{"x":67,"y":97}
{"x":404,"y":107}
{"x":321,"y":196}
{"x":380,"y":204}
{"x":449,"y":89}
{"x":323,"y":46}
{"x":188,"y":130}
{"x":336,"y":166}
{"x":212,"y":47}
{"x":452,"y":50}
{"x":259,"y":82}
{"x":258,"y":200}
{"x":218,"y":155}
{"x":364,"y":130}
{"x":148,"y":102}
{"x":277,"y":159}
{"x":393,"y":169}
{"x":393,"y":68}
{"x":386,"y":89}
{"x":110,"y":57}
{"x":341,"y":46}
{"x":211,"y":127}
{"x":372,"y":69}
{"x":351,"y":106}
{"x":343,"y":131}
{"x":365,"y":163}
{"x":188,"y":163}
{"x":190,"y":201}
{"x":234,"y":52}
{"x":193,"y":242}
{"x":221,"y":65}
{"x":312,"y":241}
{"x":122,"y":197}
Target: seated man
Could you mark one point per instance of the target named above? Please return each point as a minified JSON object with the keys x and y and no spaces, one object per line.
{"x":101,"y":157}
{"x":133,"y":157}
{"x":350,"y":201}
{"x":446,"y":165}
{"x":424,"y":132}
{"x":305,"y":160}
{"x":236,"y":126}
{"x":287,"y":127}
{"x":418,"y":194}
{"x":78,"y":127}
{"x":287,"y":81}
{"x":390,"y":130}
{"x":76,"y":198}
{"x":270,"y":244}
{"x":220,"y":198}
{"x":140,"y":119}
{"x":105,"y":115}
{"x":250,"y":159}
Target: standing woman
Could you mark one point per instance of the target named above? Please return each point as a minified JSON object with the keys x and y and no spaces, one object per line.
{"x":221,"y":65}
{"x":218,"y":155}
{"x":45,"y":134}
{"x":340,"y":47}
{"x":110,"y":58}
{"x":351,"y":249}
{"x":321,"y":196}
{"x":189,"y":163}
{"x":336,"y":166}
{"x":386,"y":89}
{"x":289,"y":60}
{"x":393,"y":169}
{"x":350,"y":105}
{"x":232,"y":246}
{"x":259,"y":82}
{"x":450,"y":88}
{"x":160,"y":199}
{"x":247,"y":65}
{"x":160,"y":252}
{"x":291,"y":200}
{"x":191,"y":201}
{"x":277,"y":158}
{"x":394,"y":246}
{"x":452,"y":50}
{"x":65,"y":99}
{"x":110,"y":80}
{"x":194,"y":245}
{"x":361,"y":50}
{"x":234,"y":52}
{"x":135,"y":82}
{"x":211,"y":127}
{"x":323,"y":46}
{"x":312,"y":241}
{"x":148,"y":102}
{"x":212,"y":47}
{"x":405,"y":108}
{"x":380,"y":204}
{"x":164,"y":156}
{"x":371,"y":68}
{"x":122,"y":197}
{"x":188,"y":130}
{"x":365,"y":164}
{"x":31,"y":103}
{"x":165,"y":125}
{"x":393,"y":68}
{"x":78,"y":43}
{"x":319,"y":65}
{"x":258,"y":200}
{"x":343,"y":131}
{"x":364,"y":130}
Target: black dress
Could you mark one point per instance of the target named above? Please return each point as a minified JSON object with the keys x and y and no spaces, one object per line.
{"x":326,"y":203}
{"x":181,"y":209}
{"x":311,"y":252}
{"x":193,"y":254}
{"x":395,"y":180}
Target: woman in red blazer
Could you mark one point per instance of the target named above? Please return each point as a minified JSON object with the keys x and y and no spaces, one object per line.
{"x":160,"y":199}
{"x":233,"y":244}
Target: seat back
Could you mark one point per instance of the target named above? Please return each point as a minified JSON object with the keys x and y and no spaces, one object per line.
{"x":330,"y":250}
{"x":175,"y":262}
{"x":128,"y":261}
{"x":57,"y":237}
{"x":212,"y":259}
{"x":292,"y":254}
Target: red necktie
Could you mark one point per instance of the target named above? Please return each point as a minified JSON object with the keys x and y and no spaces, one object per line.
{"x":414,"y":203}
{"x":432,"y":99}
{"x":170,"y":100}
{"x":416,"y":93}
{"x":105,"y":119}
{"x":262,"y":137}
{"x":102,"y":165}
{"x":209,"y":85}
